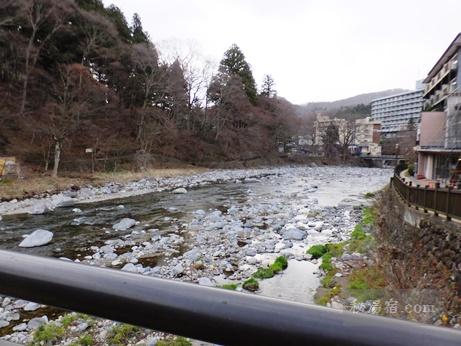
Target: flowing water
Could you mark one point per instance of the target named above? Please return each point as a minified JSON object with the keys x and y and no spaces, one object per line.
{"x":76,"y":232}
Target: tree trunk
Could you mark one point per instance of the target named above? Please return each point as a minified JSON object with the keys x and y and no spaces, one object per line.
{"x":57,"y":158}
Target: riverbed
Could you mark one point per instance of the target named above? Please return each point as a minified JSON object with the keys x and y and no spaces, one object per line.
{"x":218,"y":230}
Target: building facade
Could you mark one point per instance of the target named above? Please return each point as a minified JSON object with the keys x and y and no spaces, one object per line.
{"x":397,"y":111}
{"x":439,"y":149}
{"x":367,"y":136}
{"x":321,"y":124}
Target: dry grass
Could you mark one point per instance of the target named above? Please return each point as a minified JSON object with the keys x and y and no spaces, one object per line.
{"x":36,"y":185}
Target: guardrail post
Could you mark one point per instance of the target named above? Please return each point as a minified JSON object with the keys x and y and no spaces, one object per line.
{"x":436,"y":187}
{"x":408,"y":194}
{"x":417,"y":196}
{"x":425,"y":198}
{"x":448,"y":203}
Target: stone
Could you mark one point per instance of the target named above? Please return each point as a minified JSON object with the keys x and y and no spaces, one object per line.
{"x":293,"y":234}
{"x":31,"y":306}
{"x":205,"y":282}
{"x":178,"y":269}
{"x":37,"y":322}
{"x":130,"y":267}
{"x":39,"y":237}
{"x":4,"y":323}
{"x":39,"y":209}
{"x":192,"y":255}
{"x":20,"y":327}
{"x":124,"y":224}
{"x":180,"y":190}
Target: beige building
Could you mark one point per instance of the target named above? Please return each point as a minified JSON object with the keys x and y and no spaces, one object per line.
{"x":367,"y":136}
{"x":321,"y":125}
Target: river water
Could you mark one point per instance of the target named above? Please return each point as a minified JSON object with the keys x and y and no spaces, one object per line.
{"x":235,"y":226}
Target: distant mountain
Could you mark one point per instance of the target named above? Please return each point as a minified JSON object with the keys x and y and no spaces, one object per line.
{"x":351,"y":101}
{"x":352,"y":107}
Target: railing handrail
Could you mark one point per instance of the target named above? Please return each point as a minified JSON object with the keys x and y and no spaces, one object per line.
{"x":203,"y":313}
{"x":416,"y":187}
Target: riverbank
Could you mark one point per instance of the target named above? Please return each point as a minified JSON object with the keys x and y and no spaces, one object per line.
{"x":396,"y":269}
{"x":42,"y":186}
{"x":221,"y":228}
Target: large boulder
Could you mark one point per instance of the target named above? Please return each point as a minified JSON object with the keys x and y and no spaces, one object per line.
{"x":39,"y":208}
{"x":124,"y":224}
{"x":39,"y":237}
{"x":293,"y":234}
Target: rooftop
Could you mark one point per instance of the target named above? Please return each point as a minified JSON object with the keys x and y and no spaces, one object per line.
{"x":400,"y":94}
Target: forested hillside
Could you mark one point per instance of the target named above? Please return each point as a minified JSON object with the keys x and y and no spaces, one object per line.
{"x":75,"y":75}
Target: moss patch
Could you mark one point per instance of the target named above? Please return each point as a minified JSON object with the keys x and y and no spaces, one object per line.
{"x":177,"y":341}
{"x":48,"y":334}
{"x":120,"y":333}
{"x":231,"y":287}
{"x":251,"y":285}
{"x":317,"y":251}
{"x":366,"y":283}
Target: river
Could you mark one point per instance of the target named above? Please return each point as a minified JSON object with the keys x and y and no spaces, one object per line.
{"x":215,"y":233}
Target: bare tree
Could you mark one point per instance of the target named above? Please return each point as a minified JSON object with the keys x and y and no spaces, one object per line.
{"x":346,"y":137}
{"x":40,"y":14}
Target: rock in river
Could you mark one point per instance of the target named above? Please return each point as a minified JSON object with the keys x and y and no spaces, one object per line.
{"x":124,"y":224}
{"x":38,"y":238}
{"x":293,"y":234}
{"x":180,"y":190}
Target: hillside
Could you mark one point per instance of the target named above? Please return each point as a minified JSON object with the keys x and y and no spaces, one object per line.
{"x":351,"y":107}
{"x":350,"y":101}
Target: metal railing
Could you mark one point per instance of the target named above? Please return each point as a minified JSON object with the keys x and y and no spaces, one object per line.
{"x":440,"y":201}
{"x":203,"y":313}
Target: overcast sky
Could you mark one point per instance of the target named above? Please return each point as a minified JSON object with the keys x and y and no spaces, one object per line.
{"x":320,"y":50}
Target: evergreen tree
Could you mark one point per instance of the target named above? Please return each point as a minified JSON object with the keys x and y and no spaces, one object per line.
{"x":118,"y":18}
{"x":234,"y":64}
{"x":137,"y":33}
{"x":267,"y":89}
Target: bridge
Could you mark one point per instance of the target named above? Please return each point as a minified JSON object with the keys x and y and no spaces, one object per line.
{"x":382,"y":161}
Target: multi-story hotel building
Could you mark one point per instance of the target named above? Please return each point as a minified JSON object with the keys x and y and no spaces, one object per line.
{"x":439,"y":150}
{"x":397,"y":111}
{"x":367,"y":136}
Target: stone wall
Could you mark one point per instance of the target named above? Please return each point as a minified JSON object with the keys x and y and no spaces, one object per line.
{"x":421,"y":257}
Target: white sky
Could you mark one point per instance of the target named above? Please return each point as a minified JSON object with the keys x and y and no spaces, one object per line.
{"x":320,"y":50}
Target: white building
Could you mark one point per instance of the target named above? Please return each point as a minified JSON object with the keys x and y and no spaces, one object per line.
{"x":396,"y":111}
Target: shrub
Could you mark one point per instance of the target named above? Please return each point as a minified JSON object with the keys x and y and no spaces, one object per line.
{"x":251,"y":285}
{"x":411,"y":169}
{"x":326,"y":262}
{"x":48,"y":334}
{"x":326,"y":297}
{"x":368,"y":216}
{"x":317,"y":251}
{"x":328,"y":279}
{"x":68,"y":319}
{"x":263,"y":273}
{"x":336,"y":249}
{"x":120,"y":333}
{"x":358,"y":233}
